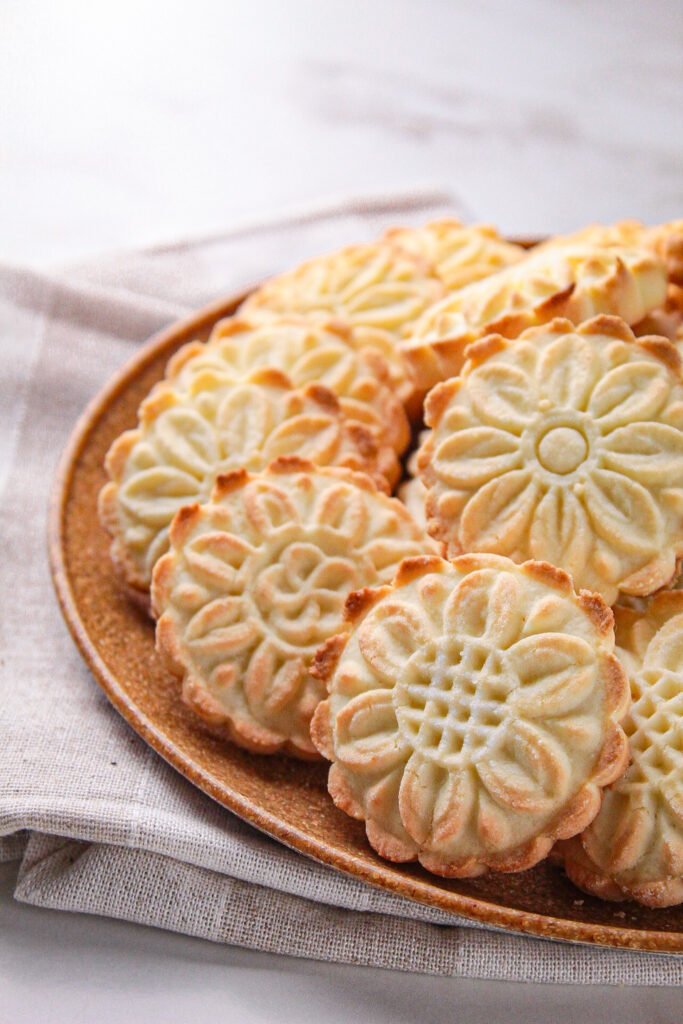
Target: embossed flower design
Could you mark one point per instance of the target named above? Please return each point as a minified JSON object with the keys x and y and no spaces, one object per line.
{"x":637,"y":838}
{"x":257,"y":579}
{"x":565,"y":445}
{"x":218,"y":422}
{"x":471,"y":711}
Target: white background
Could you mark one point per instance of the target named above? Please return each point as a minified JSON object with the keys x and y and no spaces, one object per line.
{"x":125,"y":124}
{"x":134,"y":122}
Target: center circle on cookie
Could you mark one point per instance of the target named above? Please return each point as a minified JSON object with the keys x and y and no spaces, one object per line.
{"x":450,"y":699}
{"x":562,"y":450}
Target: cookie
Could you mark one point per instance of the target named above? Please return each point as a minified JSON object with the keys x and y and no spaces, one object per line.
{"x":378,"y":290}
{"x":664,"y":240}
{"x":458,"y":254}
{"x":413,"y":494}
{"x":634,"y":847}
{"x":666,"y":320}
{"x":307,"y":353}
{"x":412,"y":491}
{"x":565,"y":445}
{"x":576,"y":283}
{"x":257,"y":579}
{"x":216,"y":422}
{"x":473,"y":713}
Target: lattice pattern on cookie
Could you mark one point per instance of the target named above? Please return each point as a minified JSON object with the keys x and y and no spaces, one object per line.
{"x":564,"y":445}
{"x":635,"y":845}
{"x":257,"y":579}
{"x":451,"y":713}
{"x":576,"y":283}
{"x":472,"y":713}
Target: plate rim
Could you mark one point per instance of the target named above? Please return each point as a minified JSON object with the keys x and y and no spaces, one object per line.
{"x":385,"y":877}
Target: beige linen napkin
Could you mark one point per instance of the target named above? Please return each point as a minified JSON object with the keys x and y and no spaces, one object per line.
{"x":101,"y":824}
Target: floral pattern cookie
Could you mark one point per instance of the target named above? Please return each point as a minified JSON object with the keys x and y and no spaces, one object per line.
{"x":257,"y":579}
{"x":459,"y":254}
{"x":565,"y":445}
{"x":217,"y":422}
{"x":473,"y":713}
{"x":412,"y":491}
{"x":576,"y":283}
{"x":634,"y":848}
{"x":664,"y":240}
{"x":307,"y":353}
{"x":377,"y":290}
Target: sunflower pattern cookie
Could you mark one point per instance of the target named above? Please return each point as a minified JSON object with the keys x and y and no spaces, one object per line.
{"x":565,"y":445}
{"x":458,"y":254}
{"x":576,"y":283}
{"x":473,"y":713}
{"x":216,"y":422}
{"x":378,"y":290}
{"x":257,"y":579}
{"x":634,"y":847}
{"x":307,"y":353}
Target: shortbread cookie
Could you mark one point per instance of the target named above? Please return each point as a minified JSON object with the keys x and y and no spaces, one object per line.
{"x":628,"y":234}
{"x":307,"y":353}
{"x":378,"y":290}
{"x":665,"y":320}
{"x":576,"y":283}
{"x":634,"y":848}
{"x":664,"y":240}
{"x":215,"y":422}
{"x":412,"y":491}
{"x":565,"y":445}
{"x":413,"y":494}
{"x":459,"y":254}
{"x":473,"y":713}
{"x":257,"y":579}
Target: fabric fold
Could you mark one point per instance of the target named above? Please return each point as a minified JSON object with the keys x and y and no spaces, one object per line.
{"x":102,"y":825}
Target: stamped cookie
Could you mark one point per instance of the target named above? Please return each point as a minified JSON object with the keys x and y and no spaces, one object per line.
{"x":215,"y":422}
{"x":376,"y":289}
{"x":666,"y":320}
{"x":565,"y":445}
{"x":664,"y":240}
{"x":473,"y":713}
{"x":412,"y":491}
{"x":257,"y":579}
{"x":576,"y":283}
{"x":459,"y":254}
{"x":634,"y":847}
{"x":413,"y":494}
{"x":307,"y":353}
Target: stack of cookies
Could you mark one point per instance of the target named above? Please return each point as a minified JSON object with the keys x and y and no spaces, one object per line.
{"x":492,"y":660}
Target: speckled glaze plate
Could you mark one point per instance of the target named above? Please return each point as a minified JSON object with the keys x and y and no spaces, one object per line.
{"x":285,"y":798}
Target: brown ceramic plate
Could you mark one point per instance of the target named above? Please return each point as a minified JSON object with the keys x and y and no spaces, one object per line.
{"x":285,"y":798}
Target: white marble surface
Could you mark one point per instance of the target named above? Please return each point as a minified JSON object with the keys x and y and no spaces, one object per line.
{"x":134,"y":123}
